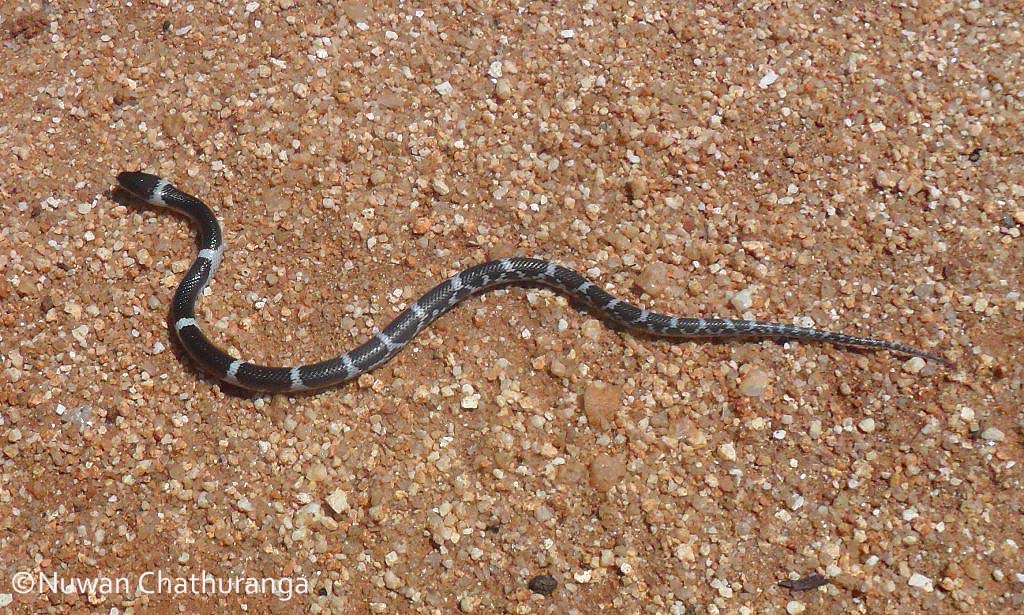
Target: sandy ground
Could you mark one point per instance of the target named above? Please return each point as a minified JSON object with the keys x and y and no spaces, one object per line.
{"x":853,"y":166}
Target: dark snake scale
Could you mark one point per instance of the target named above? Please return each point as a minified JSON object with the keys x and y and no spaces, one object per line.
{"x":389,"y":342}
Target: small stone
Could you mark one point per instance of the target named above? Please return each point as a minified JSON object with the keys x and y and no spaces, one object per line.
{"x":558,"y":368}
{"x":920,"y":581}
{"x":638,"y":187}
{"x":14,"y":435}
{"x":392,"y":581}
{"x":795,"y":501}
{"x":73,"y":309}
{"x":794,"y":607}
{"x":684,"y":553}
{"x":653,"y":280}
{"x":503,"y":89}
{"x":606,"y":471}
{"x":307,"y":515}
{"x":338,"y":501}
{"x":814,"y":430}
{"x":495,"y":69}
{"x":913,"y":365}
{"x":470,"y":402}
{"x":6,"y":599}
{"x":378,"y":177}
{"x":727,"y":451}
{"x":600,"y":403}
{"x":993,"y":434}
{"x":694,"y":435}
{"x":754,"y":383}
{"x":542,"y":584}
{"x":867,"y":425}
{"x":422,"y":225}
{"x":885,"y":179}
{"x":924,"y":291}
{"x":769,"y":78}
{"x":317,"y":472}
{"x":910,"y":185}
{"x":440,"y":187}
{"x":444,"y":88}
{"x":743,"y":300}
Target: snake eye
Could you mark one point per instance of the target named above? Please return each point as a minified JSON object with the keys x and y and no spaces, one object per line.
{"x":139,"y":184}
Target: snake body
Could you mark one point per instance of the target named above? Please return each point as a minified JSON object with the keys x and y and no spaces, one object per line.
{"x":393,"y":338}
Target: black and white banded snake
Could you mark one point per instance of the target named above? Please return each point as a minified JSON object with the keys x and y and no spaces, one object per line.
{"x":390,"y":341}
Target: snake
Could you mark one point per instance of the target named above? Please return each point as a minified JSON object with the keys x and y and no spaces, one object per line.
{"x":390,"y":340}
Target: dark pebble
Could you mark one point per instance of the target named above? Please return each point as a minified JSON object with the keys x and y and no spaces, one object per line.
{"x":813,"y":581}
{"x":543,"y":584}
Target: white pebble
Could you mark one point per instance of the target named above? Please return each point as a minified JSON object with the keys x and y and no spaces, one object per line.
{"x":769,"y":78}
{"x":444,"y":88}
{"x":494,"y":70}
{"x":743,"y":300}
{"x":913,"y":365}
{"x":920,"y":581}
{"x":993,"y":434}
{"x":338,"y":501}
{"x":568,"y":33}
{"x":867,"y":425}
{"x":794,"y":607}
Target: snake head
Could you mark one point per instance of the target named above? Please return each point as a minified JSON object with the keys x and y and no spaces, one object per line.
{"x":143,"y":185}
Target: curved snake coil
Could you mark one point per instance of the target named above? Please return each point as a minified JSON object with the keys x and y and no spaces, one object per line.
{"x":389,"y":342}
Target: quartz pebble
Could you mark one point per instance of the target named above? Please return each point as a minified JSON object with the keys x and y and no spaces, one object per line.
{"x":913,"y":365}
{"x":920,"y":581}
{"x":769,"y":78}
{"x":338,"y":501}
{"x":754,"y":383}
{"x":503,"y":89}
{"x":743,"y":300}
{"x":993,"y":434}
